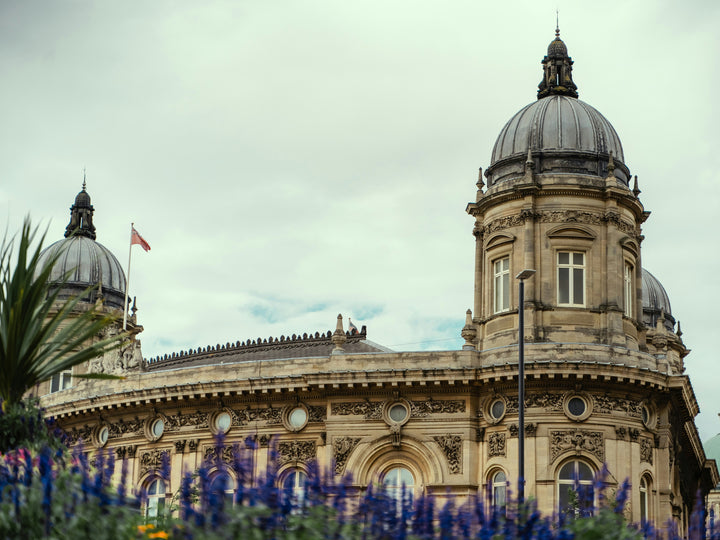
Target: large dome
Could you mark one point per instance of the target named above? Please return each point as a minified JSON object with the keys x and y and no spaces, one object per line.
{"x":84,"y":261}
{"x":87,"y":263}
{"x":563,"y":134}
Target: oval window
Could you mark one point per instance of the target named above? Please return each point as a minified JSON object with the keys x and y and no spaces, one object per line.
{"x":158,"y":427}
{"x":398,"y":412}
{"x":223,"y":422}
{"x":576,"y":406}
{"x":298,"y":417}
{"x":103,"y":435}
{"x":497,"y":409}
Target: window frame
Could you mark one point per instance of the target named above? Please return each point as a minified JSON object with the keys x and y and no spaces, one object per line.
{"x":573,"y":483}
{"x":498,"y":486}
{"x":399,"y":491}
{"x":571,"y":267}
{"x":155,"y":501}
{"x":63,"y":379}
{"x":501,"y":284}
{"x":297,"y":492}
{"x":645,"y":488}
{"x":628,"y":288}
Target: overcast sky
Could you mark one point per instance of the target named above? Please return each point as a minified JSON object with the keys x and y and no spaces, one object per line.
{"x":288,"y":161}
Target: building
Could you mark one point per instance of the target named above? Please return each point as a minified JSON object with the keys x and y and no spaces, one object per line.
{"x":605,"y":380}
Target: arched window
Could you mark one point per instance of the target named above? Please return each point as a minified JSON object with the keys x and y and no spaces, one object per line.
{"x":397,"y":482}
{"x":575,"y":488}
{"x":155,"y":498}
{"x":498,"y":485}
{"x":222,"y":482}
{"x":645,"y":484}
{"x":293,"y":487}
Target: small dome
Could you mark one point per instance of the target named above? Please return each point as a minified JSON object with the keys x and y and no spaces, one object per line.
{"x":82,"y":199}
{"x":655,"y":301}
{"x":565,"y":135}
{"x":88,"y":263}
{"x":557,"y":48}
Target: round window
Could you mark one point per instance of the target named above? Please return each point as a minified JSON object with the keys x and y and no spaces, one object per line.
{"x":645,"y":415}
{"x":297,"y":417}
{"x":103,"y":435}
{"x":223,"y":422}
{"x":576,"y":406}
{"x":157,"y":428}
{"x":497,"y":409}
{"x":398,"y":412}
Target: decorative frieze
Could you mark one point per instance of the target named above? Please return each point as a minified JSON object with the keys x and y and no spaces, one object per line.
{"x":195,"y":420}
{"x":372,"y":410}
{"x":578,"y":440}
{"x":606,"y":405}
{"x":125,"y":452}
{"x":558,"y":216}
{"x":152,"y":460}
{"x":342,"y":448}
{"x":122,"y":427}
{"x":451,"y":446}
{"x":496,"y":444}
{"x":77,"y":434}
{"x":296,"y":451}
{"x":317,"y":413}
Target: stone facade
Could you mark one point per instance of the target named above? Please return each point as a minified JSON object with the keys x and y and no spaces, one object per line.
{"x":603,"y":386}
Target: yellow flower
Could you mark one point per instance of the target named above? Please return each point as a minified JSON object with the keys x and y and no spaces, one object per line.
{"x":159,"y":534}
{"x":143,"y":528}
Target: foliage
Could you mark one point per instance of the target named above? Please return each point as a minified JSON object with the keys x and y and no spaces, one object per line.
{"x":36,"y":340}
{"x":51,"y":494}
{"x":22,"y":425}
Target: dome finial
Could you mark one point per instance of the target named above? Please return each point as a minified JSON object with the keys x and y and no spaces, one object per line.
{"x":557,"y":69}
{"x":81,"y":214}
{"x":557,"y":23}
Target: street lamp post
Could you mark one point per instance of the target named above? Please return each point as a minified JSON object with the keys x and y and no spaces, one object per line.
{"x":522,"y":276}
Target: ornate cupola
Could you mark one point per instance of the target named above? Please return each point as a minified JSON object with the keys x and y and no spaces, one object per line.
{"x":557,"y":71}
{"x":82,"y":262}
{"x":81,"y":214}
{"x":558,"y":202}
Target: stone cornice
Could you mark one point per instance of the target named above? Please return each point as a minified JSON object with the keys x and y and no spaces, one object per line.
{"x":209,"y":384}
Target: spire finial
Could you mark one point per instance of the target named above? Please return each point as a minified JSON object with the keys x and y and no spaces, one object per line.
{"x":557,"y":23}
{"x":636,"y":189}
{"x":84,"y":183}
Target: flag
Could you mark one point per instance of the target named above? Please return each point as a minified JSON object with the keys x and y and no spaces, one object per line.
{"x":351,"y":327}
{"x":135,"y":238}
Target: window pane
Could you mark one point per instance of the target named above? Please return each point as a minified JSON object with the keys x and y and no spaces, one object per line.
{"x":499,"y":495}
{"x":578,"y":288}
{"x":564,"y":285}
{"x":498,"y":291}
{"x":584,"y":472}
{"x":563,"y":258}
{"x":506,"y":291}
{"x":567,"y":471}
{"x":506,"y":263}
{"x":55,"y":383}
{"x":578,"y":258}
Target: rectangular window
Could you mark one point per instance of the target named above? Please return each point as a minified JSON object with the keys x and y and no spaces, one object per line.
{"x":628,"y":288}
{"x":501,"y":288}
{"x":61,"y":381}
{"x":571,"y":278}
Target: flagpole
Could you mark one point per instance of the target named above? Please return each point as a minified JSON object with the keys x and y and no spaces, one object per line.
{"x":127,"y":282}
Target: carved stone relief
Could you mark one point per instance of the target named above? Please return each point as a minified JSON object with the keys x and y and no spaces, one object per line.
{"x":123,"y":452}
{"x":342,"y":448}
{"x":121,"y":427}
{"x":317,"y":413}
{"x":496,"y":444}
{"x":152,"y":460}
{"x":579,"y":440}
{"x":212,"y":453}
{"x":559,"y":216}
{"x":646,"y":450}
{"x":176,"y":421}
{"x":180,"y":446}
{"x":530,"y":429}
{"x":296,"y":451}
{"x":451,"y":445}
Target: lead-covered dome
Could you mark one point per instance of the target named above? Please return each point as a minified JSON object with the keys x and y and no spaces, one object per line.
{"x":84,"y":261}
{"x":655,"y":302}
{"x":562,"y":133}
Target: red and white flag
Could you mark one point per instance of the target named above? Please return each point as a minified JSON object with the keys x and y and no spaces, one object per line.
{"x":135,"y":238}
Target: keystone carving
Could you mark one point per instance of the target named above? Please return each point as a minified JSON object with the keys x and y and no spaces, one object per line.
{"x":296,"y":451}
{"x":152,"y":460}
{"x":579,"y":440}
